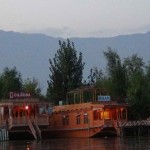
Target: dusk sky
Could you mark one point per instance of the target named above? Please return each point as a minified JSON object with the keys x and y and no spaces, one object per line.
{"x":75,"y":18}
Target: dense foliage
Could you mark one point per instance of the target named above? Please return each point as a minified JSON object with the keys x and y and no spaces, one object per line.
{"x":11,"y":81}
{"x":127,"y":81}
{"x":66,"y":72}
{"x":32,"y":86}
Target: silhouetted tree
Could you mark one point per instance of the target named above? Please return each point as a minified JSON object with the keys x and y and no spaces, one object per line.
{"x":32,"y":86}
{"x":10,"y":80}
{"x":116,"y":74}
{"x":66,"y":71}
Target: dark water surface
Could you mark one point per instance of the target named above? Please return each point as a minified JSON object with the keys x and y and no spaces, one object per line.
{"x":129,"y":143}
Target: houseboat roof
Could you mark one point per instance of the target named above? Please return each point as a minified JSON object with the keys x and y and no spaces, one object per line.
{"x":20,"y":102}
{"x":88,"y":105}
{"x":87,"y":89}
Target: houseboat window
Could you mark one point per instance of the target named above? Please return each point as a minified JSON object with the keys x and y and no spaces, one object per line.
{"x":49,"y":110}
{"x":6,"y":112}
{"x":16,"y":114}
{"x":78,"y":119}
{"x":85,"y":118}
{"x":119,"y":114}
{"x":123,"y":114}
{"x":65,"y":120}
{"x":95,"y":115}
{"x":21,"y":114}
{"x":42,"y":110}
{"x":106,"y":114}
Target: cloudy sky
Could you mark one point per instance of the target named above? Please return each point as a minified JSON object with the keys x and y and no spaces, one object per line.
{"x":75,"y":18}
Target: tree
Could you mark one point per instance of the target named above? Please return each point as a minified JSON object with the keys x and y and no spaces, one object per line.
{"x":137,"y":90}
{"x":66,"y":71}
{"x":133,"y":64}
{"x":147,"y":88}
{"x":10,"y":80}
{"x":148,"y":71}
{"x":95,"y":76}
{"x":116,"y":74}
{"x":32,"y":86}
{"x":135,"y":72}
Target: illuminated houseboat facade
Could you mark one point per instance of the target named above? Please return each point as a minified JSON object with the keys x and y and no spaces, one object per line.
{"x":24,"y":117}
{"x":98,"y":116}
{"x":89,"y":112}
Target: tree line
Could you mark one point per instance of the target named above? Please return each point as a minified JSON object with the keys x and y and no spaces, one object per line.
{"x":127,"y":80}
{"x":11,"y":81}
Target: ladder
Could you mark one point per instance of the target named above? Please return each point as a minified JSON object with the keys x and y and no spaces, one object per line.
{"x":35,"y":130}
{"x":36,"y":127}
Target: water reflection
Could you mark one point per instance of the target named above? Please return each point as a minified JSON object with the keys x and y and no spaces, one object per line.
{"x":80,"y":144}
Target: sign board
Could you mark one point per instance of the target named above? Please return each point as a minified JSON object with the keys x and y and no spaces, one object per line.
{"x":60,"y":103}
{"x":104,"y":98}
{"x":19,"y":95}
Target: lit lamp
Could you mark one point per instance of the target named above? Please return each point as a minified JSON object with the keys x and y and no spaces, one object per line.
{"x":26,"y":107}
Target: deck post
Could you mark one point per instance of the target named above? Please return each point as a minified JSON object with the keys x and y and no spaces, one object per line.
{"x":88,"y":127}
{"x":4,"y":136}
{"x":121,"y":132}
{"x":139,"y":131}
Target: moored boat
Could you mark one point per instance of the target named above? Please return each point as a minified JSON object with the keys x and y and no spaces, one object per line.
{"x":96,"y":116}
{"x":88,"y":112}
{"x":23,"y":117}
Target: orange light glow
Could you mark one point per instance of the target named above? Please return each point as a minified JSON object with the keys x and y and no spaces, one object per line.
{"x":105,"y":114}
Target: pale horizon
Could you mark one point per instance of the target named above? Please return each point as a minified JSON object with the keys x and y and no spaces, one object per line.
{"x":75,"y":18}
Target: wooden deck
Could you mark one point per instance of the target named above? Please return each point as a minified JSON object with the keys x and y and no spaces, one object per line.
{"x":136,"y":123}
{"x":135,"y":128}
{"x":40,"y":120}
{"x":29,"y":116}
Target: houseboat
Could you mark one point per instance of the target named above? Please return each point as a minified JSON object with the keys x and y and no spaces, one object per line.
{"x":89,"y":112}
{"x":23,"y":117}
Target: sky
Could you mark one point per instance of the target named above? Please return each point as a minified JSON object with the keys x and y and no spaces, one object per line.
{"x":75,"y":18}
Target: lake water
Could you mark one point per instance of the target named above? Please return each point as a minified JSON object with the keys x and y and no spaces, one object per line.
{"x":128,"y":143}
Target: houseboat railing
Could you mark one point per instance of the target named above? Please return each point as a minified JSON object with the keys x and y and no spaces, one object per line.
{"x":41,"y":119}
{"x":23,"y":121}
{"x":18,"y":100}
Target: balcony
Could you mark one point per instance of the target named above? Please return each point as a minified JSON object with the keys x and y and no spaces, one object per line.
{"x":41,"y":120}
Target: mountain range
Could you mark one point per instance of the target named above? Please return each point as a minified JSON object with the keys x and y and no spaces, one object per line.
{"x":30,"y":53}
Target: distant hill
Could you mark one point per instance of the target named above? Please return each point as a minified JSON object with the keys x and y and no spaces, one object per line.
{"x":30,"y":53}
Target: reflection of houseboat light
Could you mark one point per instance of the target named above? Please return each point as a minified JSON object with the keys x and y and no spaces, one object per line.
{"x":28,"y":147}
{"x":26,"y":107}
